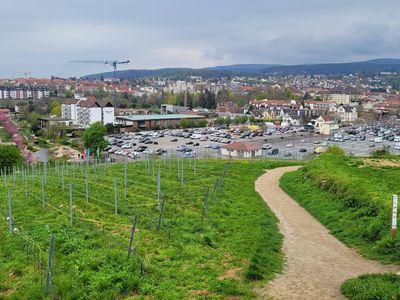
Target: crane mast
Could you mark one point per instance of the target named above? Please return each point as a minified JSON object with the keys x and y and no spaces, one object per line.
{"x":113,"y":63}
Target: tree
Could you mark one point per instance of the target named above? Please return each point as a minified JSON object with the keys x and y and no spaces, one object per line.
{"x":55,"y":108}
{"x":202,"y":123}
{"x":93,"y":137}
{"x":69,"y":94}
{"x":228,"y":121}
{"x":10,"y":156}
{"x":219,"y":121}
{"x":184,"y":123}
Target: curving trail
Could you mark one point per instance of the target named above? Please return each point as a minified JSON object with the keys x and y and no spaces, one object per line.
{"x":316,"y":263}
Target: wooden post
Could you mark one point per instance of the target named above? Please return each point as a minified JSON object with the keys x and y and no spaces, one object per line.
{"x":132,"y":236}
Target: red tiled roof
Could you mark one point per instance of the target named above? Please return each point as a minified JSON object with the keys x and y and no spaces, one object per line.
{"x":242,"y":146}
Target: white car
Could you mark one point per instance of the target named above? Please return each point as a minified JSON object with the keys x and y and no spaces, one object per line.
{"x":289,"y":145}
{"x":127,"y":146}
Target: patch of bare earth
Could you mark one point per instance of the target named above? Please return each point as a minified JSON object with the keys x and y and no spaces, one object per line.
{"x":316,"y":263}
{"x":373,"y":162}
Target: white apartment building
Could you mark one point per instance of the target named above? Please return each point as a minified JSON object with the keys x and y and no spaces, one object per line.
{"x":340,"y":98}
{"x":84,"y":112}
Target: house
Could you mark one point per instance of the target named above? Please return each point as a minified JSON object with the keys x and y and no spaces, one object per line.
{"x":347,"y":114}
{"x":290,"y":120}
{"x":241,"y":150}
{"x":326,"y":126}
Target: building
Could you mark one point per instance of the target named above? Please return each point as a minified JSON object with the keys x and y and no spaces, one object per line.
{"x":129,"y":123}
{"x":172,"y":109}
{"x":241,"y":150}
{"x":21,"y":92}
{"x":86,"y":112}
{"x":45,"y":123}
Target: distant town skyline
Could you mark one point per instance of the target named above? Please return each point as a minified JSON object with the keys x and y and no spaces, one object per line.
{"x":39,"y":37}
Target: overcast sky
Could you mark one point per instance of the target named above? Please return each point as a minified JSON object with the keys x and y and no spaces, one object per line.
{"x":41,"y":36}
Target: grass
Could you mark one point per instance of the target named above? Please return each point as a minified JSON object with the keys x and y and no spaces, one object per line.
{"x":352,"y":198}
{"x":4,"y":136}
{"x":237,"y":246}
{"x":372,"y":286}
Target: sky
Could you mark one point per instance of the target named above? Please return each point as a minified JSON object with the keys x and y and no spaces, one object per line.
{"x":40,"y":37}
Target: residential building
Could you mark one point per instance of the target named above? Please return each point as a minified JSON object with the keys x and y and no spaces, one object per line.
{"x":86,"y":112}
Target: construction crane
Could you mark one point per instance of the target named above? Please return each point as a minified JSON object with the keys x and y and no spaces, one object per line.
{"x":113,"y":63}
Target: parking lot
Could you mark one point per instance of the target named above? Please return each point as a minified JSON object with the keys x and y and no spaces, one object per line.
{"x":291,"y":144}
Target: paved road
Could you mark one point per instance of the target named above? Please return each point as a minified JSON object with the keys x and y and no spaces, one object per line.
{"x":316,"y":263}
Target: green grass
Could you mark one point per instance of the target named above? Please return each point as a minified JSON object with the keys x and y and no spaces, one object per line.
{"x":353,"y":200}
{"x":237,"y":246}
{"x":4,"y":136}
{"x":372,"y":286}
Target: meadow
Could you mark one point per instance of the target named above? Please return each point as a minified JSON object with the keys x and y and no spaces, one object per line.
{"x":208,"y":235}
{"x":352,"y":197}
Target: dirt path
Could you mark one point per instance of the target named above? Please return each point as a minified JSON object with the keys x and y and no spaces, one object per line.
{"x":316,"y":263}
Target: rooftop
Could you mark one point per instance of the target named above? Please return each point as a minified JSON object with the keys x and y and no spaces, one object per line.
{"x":242,"y":146}
{"x":158,"y":117}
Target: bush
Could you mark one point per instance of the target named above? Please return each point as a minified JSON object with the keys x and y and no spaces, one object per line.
{"x":380,"y":153}
{"x":336,"y":150}
{"x":372,"y":286}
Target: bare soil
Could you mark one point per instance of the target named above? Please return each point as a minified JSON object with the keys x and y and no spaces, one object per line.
{"x":316,"y":263}
{"x":381,"y":162}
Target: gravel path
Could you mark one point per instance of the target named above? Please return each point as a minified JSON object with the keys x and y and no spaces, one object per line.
{"x":316,"y":263}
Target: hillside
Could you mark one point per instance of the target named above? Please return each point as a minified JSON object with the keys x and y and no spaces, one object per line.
{"x":371,"y":66}
{"x":214,"y":238}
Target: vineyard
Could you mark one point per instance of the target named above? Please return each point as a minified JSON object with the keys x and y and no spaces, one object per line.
{"x":161,"y":228}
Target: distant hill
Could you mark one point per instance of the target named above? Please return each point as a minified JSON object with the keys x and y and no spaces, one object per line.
{"x":370,"y":66}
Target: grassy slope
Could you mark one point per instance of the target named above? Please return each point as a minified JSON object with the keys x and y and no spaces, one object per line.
{"x":239,"y":238}
{"x":353,"y":201}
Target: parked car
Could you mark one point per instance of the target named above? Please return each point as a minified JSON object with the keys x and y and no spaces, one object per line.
{"x":302,"y":150}
{"x":274,"y":151}
{"x":174,"y":140}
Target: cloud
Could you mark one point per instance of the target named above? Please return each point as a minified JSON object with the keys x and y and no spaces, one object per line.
{"x":41,"y":35}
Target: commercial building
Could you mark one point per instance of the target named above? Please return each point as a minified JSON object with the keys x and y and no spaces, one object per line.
{"x":129,"y":123}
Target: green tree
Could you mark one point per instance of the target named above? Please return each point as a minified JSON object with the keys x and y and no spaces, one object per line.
{"x":184,"y":123}
{"x":228,"y":121}
{"x":55,"y":108}
{"x":69,"y":94}
{"x":202,"y":123}
{"x":93,"y":137}
{"x":10,"y":156}
{"x":219,"y":121}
